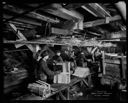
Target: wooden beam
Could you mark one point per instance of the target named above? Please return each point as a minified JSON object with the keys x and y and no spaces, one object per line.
{"x":58,"y":10}
{"x":58,"y":13}
{"x":99,"y":10}
{"x":19,"y":34}
{"x":29,"y":42}
{"x":93,"y":33}
{"x":103,"y":9}
{"x":27,"y":21}
{"x":85,"y":82}
{"x":21,"y":37}
{"x":72,"y":13}
{"x":84,"y":7}
{"x":73,"y":5}
{"x":123,"y":67}
{"x":25,"y":12}
{"x":18,"y":23}
{"x":113,"y":40}
{"x":42,"y":17}
{"x":51,"y":43}
{"x":60,"y":31}
{"x":85,"y":43}
{"x":103,"y":63}
{"x":78,"y":18}
{"x":16,"y":11}
{"x":22,"y":25}
{"x":92,"y":10}
{"x":101,"y":21}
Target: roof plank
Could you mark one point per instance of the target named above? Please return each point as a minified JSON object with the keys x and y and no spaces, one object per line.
{"x":101,"y":21}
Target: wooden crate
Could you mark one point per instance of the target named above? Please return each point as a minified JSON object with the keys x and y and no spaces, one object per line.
{"x":63,"y":78}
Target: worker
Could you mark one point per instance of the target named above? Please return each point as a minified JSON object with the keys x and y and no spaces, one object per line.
{"x":44,"y":73}
{"x":72,"y":56}
{"x":72,"y":59}
{"x":57,"y":57}
{"x":96,"y":67}
{"x":80,"y":59}
{"x":65,"y":55}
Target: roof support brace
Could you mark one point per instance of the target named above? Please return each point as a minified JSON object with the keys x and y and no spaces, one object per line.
{"x":101,"y":21}
{"x":22,"y":14}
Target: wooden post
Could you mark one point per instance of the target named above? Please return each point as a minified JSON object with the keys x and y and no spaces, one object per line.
{"x":89,"y":81}
{"x":62,"y":96}
{"x":68,"y":91}
{"x":122,"y":67}
{"x":103,"y":62}
{"x":85,"y":82}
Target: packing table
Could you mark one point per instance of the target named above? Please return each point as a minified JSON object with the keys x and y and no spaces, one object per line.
{"x":59,"y":88}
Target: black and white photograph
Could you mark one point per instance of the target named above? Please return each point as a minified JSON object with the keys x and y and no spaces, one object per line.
{"x":64,"y":51}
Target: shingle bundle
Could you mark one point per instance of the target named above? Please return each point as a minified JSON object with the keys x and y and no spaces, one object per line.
{"x":40,"y":88}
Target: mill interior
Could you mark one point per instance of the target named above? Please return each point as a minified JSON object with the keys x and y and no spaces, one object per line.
{"x":64,"y":51}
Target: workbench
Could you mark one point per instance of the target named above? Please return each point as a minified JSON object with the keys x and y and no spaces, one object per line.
{"x":59,"y":88}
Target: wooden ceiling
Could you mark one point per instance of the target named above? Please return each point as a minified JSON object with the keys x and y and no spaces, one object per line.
{"x":30,"y":15}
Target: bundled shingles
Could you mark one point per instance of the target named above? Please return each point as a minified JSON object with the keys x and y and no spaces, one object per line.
{"x":40,"y":88}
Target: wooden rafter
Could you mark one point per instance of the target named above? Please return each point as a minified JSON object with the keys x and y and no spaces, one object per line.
{"x":59,"y":11}
{"x":73,"y":5}
{"x":27,"y":21}
{"x":42,"y":17}
{"x":26,"y":12}
{"x":103,"y":9}
{"x":86,"y":8}
{"x":101,"y":21}
{"x":93,"y":11}
{"x":96,"y":10}
{"x":16,"y":11}
{"x":22,"y":24}
{"x":21,"y":37}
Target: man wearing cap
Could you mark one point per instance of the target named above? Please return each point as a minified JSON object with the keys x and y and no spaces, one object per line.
{"x":44,"y":73}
